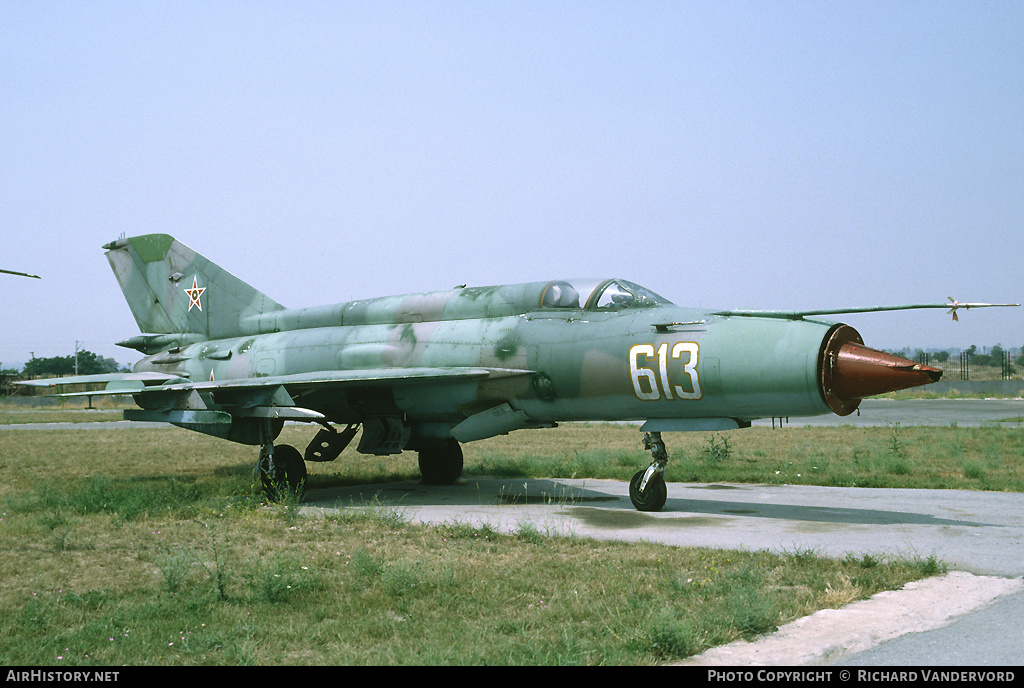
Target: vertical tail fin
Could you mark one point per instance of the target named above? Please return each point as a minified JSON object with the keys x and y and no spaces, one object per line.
{"x":172,"y":289}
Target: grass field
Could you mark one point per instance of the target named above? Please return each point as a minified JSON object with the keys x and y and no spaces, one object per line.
{"x":149,"y":547}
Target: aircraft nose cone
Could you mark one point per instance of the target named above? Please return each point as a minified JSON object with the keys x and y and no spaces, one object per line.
{"x":863,"y":372}
{"x":851,"y":371}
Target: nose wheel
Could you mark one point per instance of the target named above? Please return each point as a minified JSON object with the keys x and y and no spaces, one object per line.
{"x":647,"y":489}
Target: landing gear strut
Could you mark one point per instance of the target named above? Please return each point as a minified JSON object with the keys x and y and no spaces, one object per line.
{"x":647,"y":489}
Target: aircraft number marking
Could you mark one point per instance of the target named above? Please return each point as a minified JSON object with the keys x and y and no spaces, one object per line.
{"x":654,"y":371}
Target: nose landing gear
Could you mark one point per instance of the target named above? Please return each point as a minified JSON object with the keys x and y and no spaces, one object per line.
{"x":647,"y":489}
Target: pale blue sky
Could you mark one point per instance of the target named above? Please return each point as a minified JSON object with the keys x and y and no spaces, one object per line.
{"x":724,"y":154}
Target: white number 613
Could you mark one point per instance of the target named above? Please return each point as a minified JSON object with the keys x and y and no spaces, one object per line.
{"x":658,"y":384}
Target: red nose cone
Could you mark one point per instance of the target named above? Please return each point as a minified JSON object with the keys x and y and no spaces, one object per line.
{"x":851,"y":371}
{"x":863,"y":372}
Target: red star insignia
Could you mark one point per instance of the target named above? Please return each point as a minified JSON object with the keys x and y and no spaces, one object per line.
{"x":194,"y":293}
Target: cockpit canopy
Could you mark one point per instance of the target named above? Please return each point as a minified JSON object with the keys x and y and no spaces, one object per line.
{"x":464,"y":303}
{"x":604,"y":295}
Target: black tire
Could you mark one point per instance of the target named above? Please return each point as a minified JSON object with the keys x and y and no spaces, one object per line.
{"x":441,"y":465}
{"x":289,"y":473}
{"x":651,"y":499}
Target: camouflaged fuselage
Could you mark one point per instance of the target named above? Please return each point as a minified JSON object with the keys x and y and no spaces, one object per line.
{"x":639,"y":362}
{"x":465,"y":363}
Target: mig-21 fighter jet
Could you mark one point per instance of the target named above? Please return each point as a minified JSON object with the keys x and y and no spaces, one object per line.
{"x":428,"y":372}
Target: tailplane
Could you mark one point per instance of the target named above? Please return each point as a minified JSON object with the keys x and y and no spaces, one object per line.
{"x":171,"y":289}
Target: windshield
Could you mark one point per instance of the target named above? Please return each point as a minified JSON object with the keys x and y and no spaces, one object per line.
{"x":605,"y":295}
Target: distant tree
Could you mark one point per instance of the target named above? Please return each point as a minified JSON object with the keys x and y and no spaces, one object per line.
{"x":88,"y":364}
{"x":941,"y":356}
{"x":50,"y":366}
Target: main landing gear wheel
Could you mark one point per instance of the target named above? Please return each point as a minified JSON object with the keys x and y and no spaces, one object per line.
{"x":441,"y":465}
{"x":287,"y":472}
{"x":652,"y":497}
